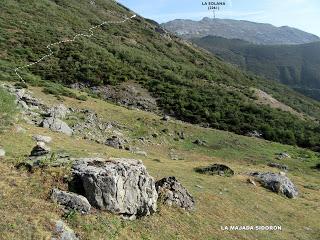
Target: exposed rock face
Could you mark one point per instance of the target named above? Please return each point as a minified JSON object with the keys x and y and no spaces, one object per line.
{"x":71,"y":200}
{"x":40,"y":138}
{"x":57,"y":125}
{"x":171,"y":192}
{"x":40,"y":150}
{"x":216,"y":169}
{"x":122,"y":186}
{"x":115,"y":142}
{"x":277,"y":183}
{"x":279,"y":166}
{"x":63,"y":232}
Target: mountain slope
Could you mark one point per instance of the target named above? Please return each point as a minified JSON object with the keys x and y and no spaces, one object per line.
{"x":294,"y":65}
{"x":258,"y":33}
{"x":187,"y":82}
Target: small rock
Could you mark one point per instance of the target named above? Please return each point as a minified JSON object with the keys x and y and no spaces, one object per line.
{"x":40,"y":150}
{"x":255,"y":134}
{"x":2,"y":153}
{"x":279,"y":166}
{"x":63,"y":232}
{"x":56,"y":125}
{"x":165,"y":118}
{"x":277,"y":183}
{"x":115,"y":142}
{"x":171,"y":192}
{"x":71,"y":200}
{"x":200,"y":142}
{"x":122,"y":186}
{"x":216,"y":169}
{"x":40,"y":138}
{"x":283,"y":155}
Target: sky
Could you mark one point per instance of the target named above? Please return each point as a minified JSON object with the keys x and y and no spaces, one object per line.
{"x":302,"y":14}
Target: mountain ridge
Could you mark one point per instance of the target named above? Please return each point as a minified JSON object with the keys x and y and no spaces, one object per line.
{"x":258,"y":33}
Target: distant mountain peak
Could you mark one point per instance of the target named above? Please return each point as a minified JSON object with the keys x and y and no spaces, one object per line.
{"x":258,"y":33}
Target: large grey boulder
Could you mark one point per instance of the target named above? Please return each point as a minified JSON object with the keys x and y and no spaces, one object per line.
{"x":56,"y":125}
{"x":122,"y":186}
{"x":171,"y":192}
{"x":71,"y":200}
{"x":278,"y":183}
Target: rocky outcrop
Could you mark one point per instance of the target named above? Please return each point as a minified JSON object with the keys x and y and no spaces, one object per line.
{"x":71,"y":201}
{"x":56,"y":125}
{"x":216,"y":169}
{"x":278,"y":183}
{"x":172,"y":193}
{"x":122,"y":186}
{"x":63,"y":232}
{"x":40,"y":150}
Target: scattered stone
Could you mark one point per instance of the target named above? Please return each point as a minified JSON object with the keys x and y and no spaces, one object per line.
{"x":56,"y":125}
{"x":279,"y":166}
{"x":198,"y":186}
{"x":171,"y":192}
{"x":200,"y":142}
{"x":115,"y":142}
{"x":276,"y":183}
{"x":283,"y":155}
{"x":165,"y":118}
{"x":59,"y":111}
{"x":40,"y":150}
{"x":2,"y":153}
{"x":40,"y":138}
{"x":71,"y":201}
{"x":122,"y":186}
{"x":255,"y":134}
{"x":63,"y":232}
{"x":216,"y":169}
{"x":181,"y":135}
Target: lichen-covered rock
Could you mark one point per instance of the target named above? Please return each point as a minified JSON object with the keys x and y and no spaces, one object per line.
{"x":278,"y":183}
{"x":171,"y":192}
{"x":122,"y":186}
{"x":56,"y":125}
{"x":71,"y":200}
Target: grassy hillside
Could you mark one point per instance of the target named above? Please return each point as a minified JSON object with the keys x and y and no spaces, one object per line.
{"x":187,"y":82}
{"x":294,"y":65}
{"x":27,"y":213}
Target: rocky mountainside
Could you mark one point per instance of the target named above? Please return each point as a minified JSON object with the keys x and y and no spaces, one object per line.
{"x":257,"y":33}
{"x":102,"y":48}
{"x":294,"y":65}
